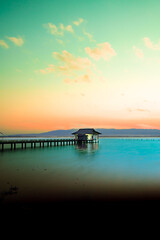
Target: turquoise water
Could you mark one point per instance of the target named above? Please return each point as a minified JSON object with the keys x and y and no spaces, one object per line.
{"x":73,"y":170}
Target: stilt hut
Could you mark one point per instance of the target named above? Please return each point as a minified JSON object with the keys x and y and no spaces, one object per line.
{"x":85,"y":134}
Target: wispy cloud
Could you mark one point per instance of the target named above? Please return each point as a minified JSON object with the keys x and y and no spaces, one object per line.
{"x":67,"y":28}
{"x":138,"y":109}
{"x":58,"y":31}
{"x":145,"y":126}
{"x":3,"y":44}
{"x":53,"y":29}
{"x":17,"y":41}
{"x":138,"y":52}
{"x":73,"y":69}
{"x":78,"y":22}
{"x":89,"y":36}
{"x":71,"y":62}
{"x":150,"y":45}
{"x":83,"y":78}
{"x":142,"y":110}
{"x":103,"y":50}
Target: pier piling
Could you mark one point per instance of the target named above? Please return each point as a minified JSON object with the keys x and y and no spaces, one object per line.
{"x":33,"y":143}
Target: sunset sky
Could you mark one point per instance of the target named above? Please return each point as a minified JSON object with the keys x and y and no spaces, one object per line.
{"x":75,"y":64}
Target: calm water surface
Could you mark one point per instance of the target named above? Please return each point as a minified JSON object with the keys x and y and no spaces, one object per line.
{"x":120,"y":164}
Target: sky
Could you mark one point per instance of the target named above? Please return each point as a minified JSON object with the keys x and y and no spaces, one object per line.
{"x":75,"y":64}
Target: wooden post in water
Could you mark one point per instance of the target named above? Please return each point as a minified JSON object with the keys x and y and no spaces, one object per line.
{"x":49,"y":142}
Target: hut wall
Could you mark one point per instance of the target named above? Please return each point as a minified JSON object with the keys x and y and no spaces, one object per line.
{"x":76,"y":136}
{"x":89,"y":136}
{"x":82,"y":137}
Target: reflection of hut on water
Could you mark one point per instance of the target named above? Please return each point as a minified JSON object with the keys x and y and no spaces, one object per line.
{"x":86,"y":147}
{"x":85,"y":134}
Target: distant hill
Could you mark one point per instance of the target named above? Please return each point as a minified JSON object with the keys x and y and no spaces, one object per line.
{"x":56,"y":133}
{"x":129,"y":132}
{"x":103,"y":131}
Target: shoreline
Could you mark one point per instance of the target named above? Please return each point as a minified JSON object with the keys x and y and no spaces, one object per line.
{"x":105,"y":136}
{"x":131,"y":136}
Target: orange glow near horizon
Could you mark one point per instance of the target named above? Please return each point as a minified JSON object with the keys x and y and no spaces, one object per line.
{"x":70,"y":70}
{"x":45,"y":125}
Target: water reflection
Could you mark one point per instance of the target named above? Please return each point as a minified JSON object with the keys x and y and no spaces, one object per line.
{"x":86,"y":148}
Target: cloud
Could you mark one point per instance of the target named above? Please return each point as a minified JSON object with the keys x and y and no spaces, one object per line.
{"x":70,"y":62}
{"x":17,"y":41}
{"x":74,"y":69}
{"x":145,"y":126}
{"x":150,"y":45}
{"x":83,"y":78}
{"x":138,"y":52}
{"x":69,"y":29}
{"x":103,"y":50}
{"x":3,"y":44}
{"x":43,"y":71}
{"x":89,"y":36}
{"x":138,"y":109}
{"x":58,"y":31}
{"x":142,"y":110}
{"x":54,"y":30}
{"x":78,"y":22}
{"x":49,"y":69}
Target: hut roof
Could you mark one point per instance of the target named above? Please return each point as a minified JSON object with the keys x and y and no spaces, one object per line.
{"x":83,"y":131}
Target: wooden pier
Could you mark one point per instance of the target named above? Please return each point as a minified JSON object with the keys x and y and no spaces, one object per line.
{"x":41,"y":143}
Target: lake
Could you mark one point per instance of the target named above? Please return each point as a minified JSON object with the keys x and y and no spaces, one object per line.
{"x":112,"y":168}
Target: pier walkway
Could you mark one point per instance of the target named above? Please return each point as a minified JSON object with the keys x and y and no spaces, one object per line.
{"x":33,"y":143}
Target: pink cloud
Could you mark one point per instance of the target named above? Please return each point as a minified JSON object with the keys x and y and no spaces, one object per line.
{"x":43,"y":71}
{"x":103,"y":50}
{"x":70,"y":62}
{"x":76,"y":69}
{"x":83,"y":78}
{"x":150,"y":45}
{"x":138,"y":109}
{"x":138,"y":52}
{"x":73,"y":69}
